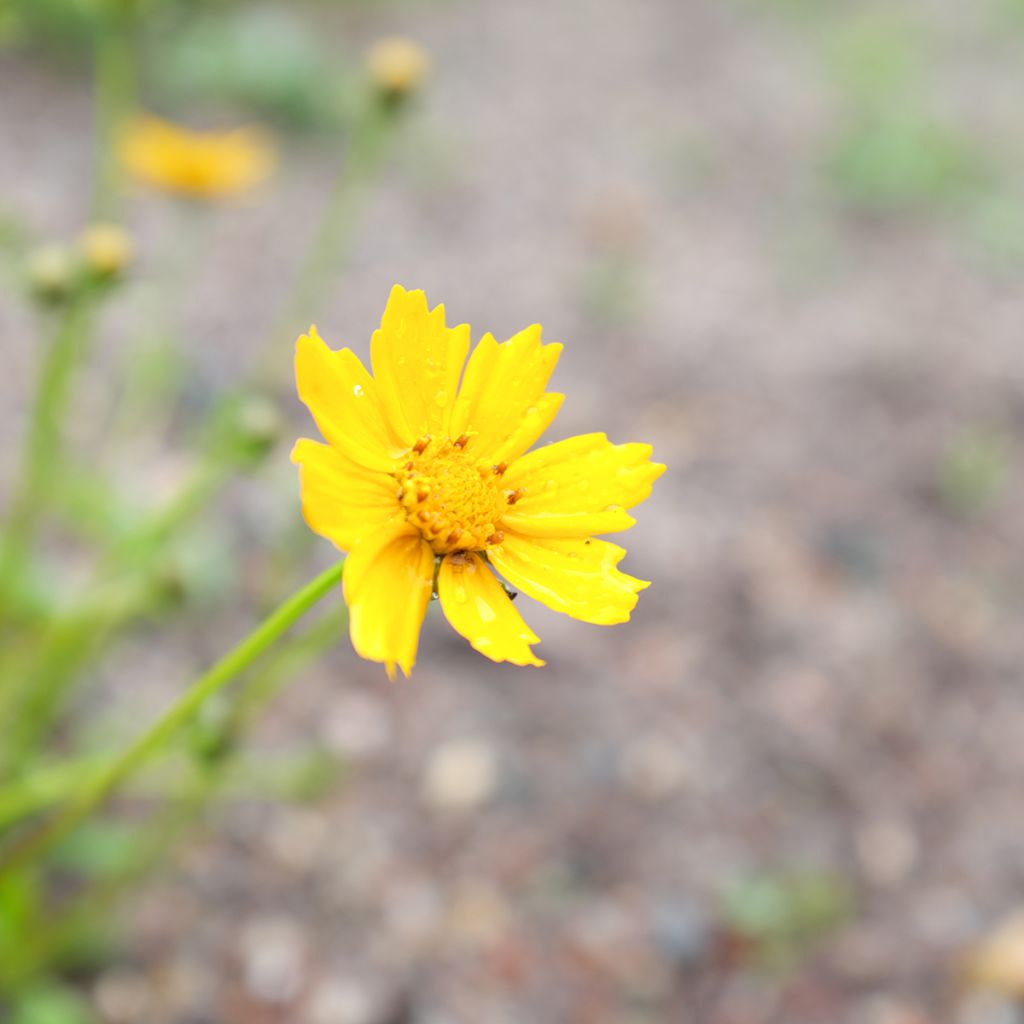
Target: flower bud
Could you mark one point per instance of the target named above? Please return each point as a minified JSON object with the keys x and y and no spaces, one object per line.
{"x":397,"y":67}
{"x":106,"y":250}
{"x":52,"y":273}
{"x":246,"y":429}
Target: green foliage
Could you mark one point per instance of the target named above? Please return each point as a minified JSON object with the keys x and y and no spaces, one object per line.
{"x":50,"y":1003}
{"x":100,"y":849}
{"x":65,"y":25}
{"x":783,"y":915}
{"x":899,"y":158}
{"x":261,"y":59}
{"x":973,"y":471}
{"x":996,"y":221}
{"x":877,"y":56}
{"x":893,"y":150}
{"x":611,"y":292}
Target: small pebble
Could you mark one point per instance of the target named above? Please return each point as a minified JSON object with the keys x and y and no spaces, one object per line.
{"x":461,"y":775}
{"x":886,"y":1009}
{"x":273,"y":951}
{"x":122,"y":997}
{"x":341,"y":1001}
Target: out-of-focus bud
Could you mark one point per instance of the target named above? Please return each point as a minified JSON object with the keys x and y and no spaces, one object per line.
{"x":246,"y":429}
{"x":52,"y":273}
{"x":259,"y":426}
{"x":397,"y":67}
{"x":106,"y":250}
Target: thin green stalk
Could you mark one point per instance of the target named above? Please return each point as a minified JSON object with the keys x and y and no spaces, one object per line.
{"x":69,"y":643}
{"x":367,"y":152}
{"x":56,"y":783}
{"x":52,"y":931}
{"x":114,"y":93}
{"x":96,"y":790}
{"x":41,"y":448}
{"x":44,"y":787}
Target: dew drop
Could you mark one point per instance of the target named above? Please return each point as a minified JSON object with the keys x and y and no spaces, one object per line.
{"x":484,"y":610}
{"x":358,"y":391}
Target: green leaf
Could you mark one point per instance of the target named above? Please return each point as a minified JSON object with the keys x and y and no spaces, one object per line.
{"x":50,"y":1003}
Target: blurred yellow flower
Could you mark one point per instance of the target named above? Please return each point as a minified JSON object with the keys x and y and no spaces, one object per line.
{"x":106,"y":249}
{"x":204,"y":165}
{"x":397,"y":66}
{"x":425,"y":481}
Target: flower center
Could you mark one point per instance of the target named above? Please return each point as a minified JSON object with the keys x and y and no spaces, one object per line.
{"x":454,"y":500}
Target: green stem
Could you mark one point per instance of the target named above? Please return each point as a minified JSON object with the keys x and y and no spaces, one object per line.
{"x":44,"y":787}
{"x":40,"y":452}
{"x":114,"y":90}
{"x":27,"y":709}
{"x":96,"y":790}
{"x":368,"y":149}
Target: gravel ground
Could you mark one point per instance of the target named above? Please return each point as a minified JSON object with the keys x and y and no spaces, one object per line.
{"x":823,"y":683}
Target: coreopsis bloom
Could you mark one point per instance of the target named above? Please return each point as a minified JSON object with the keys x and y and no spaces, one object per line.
{"x":427,"y":482}
{"x":397,"y":66}
{"x":106,"y":249}
{"x":202,"y":165}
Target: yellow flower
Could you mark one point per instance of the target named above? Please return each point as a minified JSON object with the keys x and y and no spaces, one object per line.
{"x":427,"y":483}
{"x":397,"y":66}
{"x":204,"y":165}
{"x":106,"y":248}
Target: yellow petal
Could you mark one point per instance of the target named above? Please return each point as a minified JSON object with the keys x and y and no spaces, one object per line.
{"x":578,"y":576}
{"x":502,"y":405}
{"x":388,"y":581}
{"x":417,"y":362}
{"x":478,"y":608}
{"x":341,"y":500}
{"x":206,"y":165}
{"x":579,"y":487}
{"x":343,"y":399}
{"x":533,"y":423}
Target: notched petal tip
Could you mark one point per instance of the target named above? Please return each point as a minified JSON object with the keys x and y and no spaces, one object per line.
{"x":296,"y":454}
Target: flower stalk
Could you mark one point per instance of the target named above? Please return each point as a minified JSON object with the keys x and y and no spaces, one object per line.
{"x":99,"y":787}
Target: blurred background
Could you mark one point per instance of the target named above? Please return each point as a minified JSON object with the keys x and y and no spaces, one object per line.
{"x":782,"y":240}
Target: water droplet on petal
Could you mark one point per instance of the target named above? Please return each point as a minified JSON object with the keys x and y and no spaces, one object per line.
{"x":358,"y":391}
{"x":484,"y":610}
